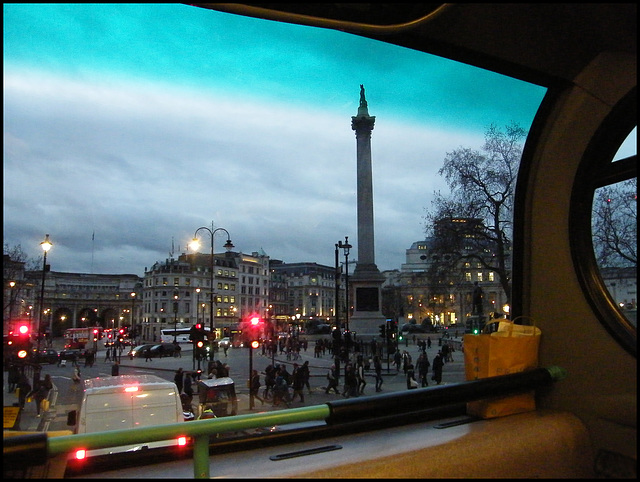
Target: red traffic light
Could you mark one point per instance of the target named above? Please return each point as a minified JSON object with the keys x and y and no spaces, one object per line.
{"x":198,"y":326}
{"x":23,"y":329}
{"x":255,"y":321}
{"x":200,"y":344}
{"x":255,"y":344}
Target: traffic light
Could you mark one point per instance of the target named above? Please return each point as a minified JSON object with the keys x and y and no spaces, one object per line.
{"x":95,"y":334}
{"x":200,"y":350}
{"x":383,"y":331}
{"x":255,"y":328}
{"x":197,"y":333}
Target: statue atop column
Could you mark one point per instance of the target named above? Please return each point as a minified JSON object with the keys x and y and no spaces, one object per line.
{"x":363,"y":101}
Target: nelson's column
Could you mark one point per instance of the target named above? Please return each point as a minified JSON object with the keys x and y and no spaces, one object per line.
{"x":366,"y":281}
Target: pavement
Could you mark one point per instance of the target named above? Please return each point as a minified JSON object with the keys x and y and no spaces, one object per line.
{"x":394,"y":381}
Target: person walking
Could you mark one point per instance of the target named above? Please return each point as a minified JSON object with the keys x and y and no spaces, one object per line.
{"x":297,"y":383}
{"x":332,"y":381}
{"x":377,"y":366}
{"x":423,"y":369}
{"x":438,"y":363}
{"x":411,"y":377}
{"x":41,"y":392}
{"x":107,"y":355}
{"x":188,"y":387}
{"x":147,"y":355}
{"x":14,"y":378}
{"x":360,"y":376}
{"x":254,"y":385}
{"x":24,"y":388}
{"x":306,"y":375}
{"x":178,"y":379}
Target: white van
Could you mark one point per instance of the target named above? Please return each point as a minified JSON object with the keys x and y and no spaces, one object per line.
{"x":127,"y":401}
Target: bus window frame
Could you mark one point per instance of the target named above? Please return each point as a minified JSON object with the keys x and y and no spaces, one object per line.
{"x":598,"y":168}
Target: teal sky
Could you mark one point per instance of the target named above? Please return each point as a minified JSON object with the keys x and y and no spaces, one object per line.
{"x":143,"y":122}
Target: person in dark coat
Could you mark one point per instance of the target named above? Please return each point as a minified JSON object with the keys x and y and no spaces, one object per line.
{"x":24,"y":389}
{"x":437,"y":365}
{"x":178,"y":379}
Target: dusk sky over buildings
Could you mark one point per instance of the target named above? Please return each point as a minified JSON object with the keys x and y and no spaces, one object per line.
{"x":127,"y":127}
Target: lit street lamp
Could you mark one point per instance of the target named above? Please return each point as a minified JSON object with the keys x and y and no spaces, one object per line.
{"x":46,"y":246}
{"x":197,"y":305}
{"x":12,"y":284}
{"x":195,"y":244}
{"x":175,"y":316}
{"x":133,"y":323}
{"x":346,"y":246}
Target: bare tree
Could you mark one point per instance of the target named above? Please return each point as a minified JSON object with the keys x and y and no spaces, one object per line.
{"x":481,"y":185}
{"x":615,"y":224}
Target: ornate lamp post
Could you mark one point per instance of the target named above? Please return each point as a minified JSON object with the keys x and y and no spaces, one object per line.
{"x":346,"y":247}
{"x":195,"y":244}
{"x":46,"y":246}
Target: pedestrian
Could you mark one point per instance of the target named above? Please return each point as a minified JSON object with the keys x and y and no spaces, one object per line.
{"x":269,"y":380}
{"x":107,"y":355}
{"x":178,"y":351}
{"x":115,"y":369}
{"x":350,"y":382}
{"x":24,"y":388}
{"x":178,"y":379}
{"x":438,"y":363}
{"x":377,"y":366}
{"x":423,"y":369}
{"x":397,"y":359}
{"x":428,"y":342}
{"x":147,"y":354}
{"x":14,"y":377}
{"x":76,"y":374}
{"x":306,"y":375}
{"x":254,"y":389}
{"x":40,"y":393}
{"x":332,"y":380}
{"x":445,"y":352}
{"x":411,"y":377}
{"x":360,"y":375}
{"x":281,"y":390}
{"x":188,"y":386}
{"x":297,"y":383}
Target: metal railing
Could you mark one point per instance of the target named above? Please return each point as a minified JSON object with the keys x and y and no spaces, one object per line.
{"x":38,"y":448}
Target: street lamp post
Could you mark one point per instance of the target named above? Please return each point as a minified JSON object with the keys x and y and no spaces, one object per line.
{"x":12,"y":284}
{"x":133,"y":323}
{"x":45,"y":245}
{"x":197,"y":305}
{"x":195,"y":244}
{"x":346,"y":247}
{"x":175,"y":316}
{"x":337,"y":295}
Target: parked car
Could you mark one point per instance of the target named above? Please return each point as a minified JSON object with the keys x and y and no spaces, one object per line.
{"x":138,"y":351}
{"x":163,"y":350}
{"x":47,"y":355}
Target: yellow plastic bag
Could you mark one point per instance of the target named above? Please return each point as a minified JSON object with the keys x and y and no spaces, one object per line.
{"x":511,"y":349}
